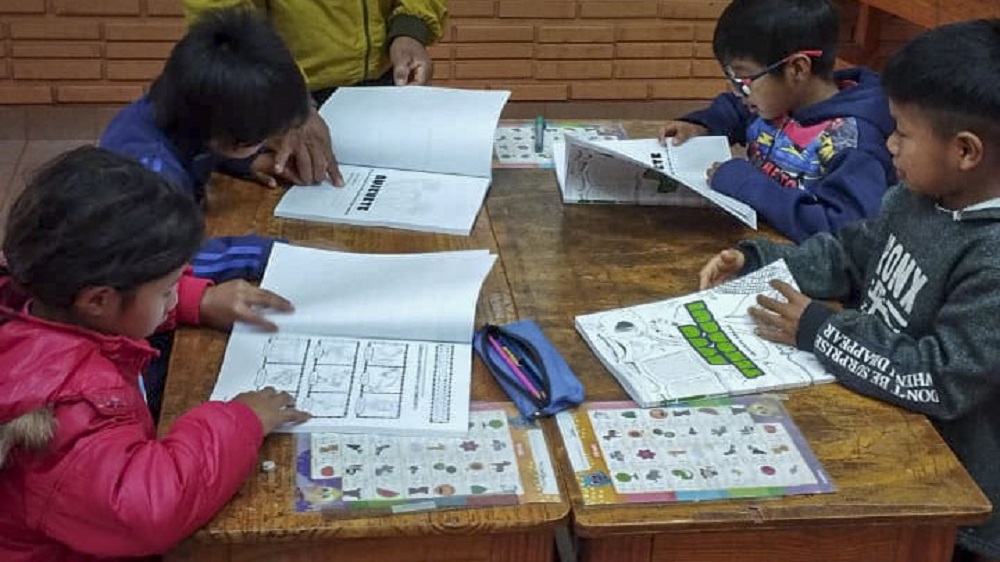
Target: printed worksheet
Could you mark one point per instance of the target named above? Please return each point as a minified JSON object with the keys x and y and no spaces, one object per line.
{"x":503,"y":460}
{"x":514,"y":141}
{"x":702,"y":344}
{"x":645,"y":172}
{"x":722,"y":449}
{"x":413,"y":157}
{"x":377,"y":342}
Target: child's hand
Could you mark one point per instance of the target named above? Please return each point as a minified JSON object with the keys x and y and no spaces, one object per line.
{"x":711,"y":171}
{"x":779,"y":321}
{"x":681,"y":131}
{"x":223,"y":304}
{"x":720,"y":268}
{"x":272,"y":407}
{"x":262,"y":169}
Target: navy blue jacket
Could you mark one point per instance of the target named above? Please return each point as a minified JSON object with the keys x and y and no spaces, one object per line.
{"x":816,"y":170}
{"x":188,"y":163}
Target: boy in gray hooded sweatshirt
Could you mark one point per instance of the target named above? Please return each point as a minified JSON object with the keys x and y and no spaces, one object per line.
{"x":921,"y":281}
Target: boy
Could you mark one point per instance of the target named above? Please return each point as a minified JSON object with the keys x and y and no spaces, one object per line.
{"x":228,"y":86}
{"x":920,"y":281}
{"x":816,"y":156}
{"x":96,"y":248}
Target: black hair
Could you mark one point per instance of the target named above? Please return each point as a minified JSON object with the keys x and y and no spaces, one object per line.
{"x":766,"y":31}
{"x":231,"y":79}
{"x":91,"y":218}
{"x":952,"y":74}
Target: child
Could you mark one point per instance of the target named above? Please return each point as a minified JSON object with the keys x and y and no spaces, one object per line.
{"x":228,"y":86}
{"x":922,"y":323}
{"x":816,"y":156}
{"x":96,"y":248}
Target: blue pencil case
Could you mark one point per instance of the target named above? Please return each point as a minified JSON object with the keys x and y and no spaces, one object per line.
{"x":528,"y":368}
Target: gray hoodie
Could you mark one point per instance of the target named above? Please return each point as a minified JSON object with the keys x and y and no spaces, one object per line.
{"x":921,"y":327}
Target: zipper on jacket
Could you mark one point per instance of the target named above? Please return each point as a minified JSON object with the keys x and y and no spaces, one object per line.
{"x":368,"y":39}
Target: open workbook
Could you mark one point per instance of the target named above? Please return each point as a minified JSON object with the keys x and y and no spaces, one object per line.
{"x":645,"y":172}
{"x":414,"y":157}
{"x":378,"y":343}
{"x":699,"y":345}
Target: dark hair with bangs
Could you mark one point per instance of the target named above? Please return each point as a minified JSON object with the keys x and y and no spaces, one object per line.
{"x":230,"y":79}
{"x":952,"y":74}
{"x":766,"y":31}
{"x":91,"y":218}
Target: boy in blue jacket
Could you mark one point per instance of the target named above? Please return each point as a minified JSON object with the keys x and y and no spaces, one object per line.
{"x":816,"y":157}
{"x":228,"y":86}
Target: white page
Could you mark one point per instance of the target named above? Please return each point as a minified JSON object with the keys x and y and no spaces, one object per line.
{"x":377,"y":342}
{"x":443,"y":130}
{"x":390,"y":198}
{"x":427,"y":297}
{"x":618,"y":171}
{"x":647,"y":349}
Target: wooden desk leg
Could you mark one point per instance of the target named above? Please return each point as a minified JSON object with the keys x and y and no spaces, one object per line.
{"x":526,"y":547}
{"x":819,"y":544}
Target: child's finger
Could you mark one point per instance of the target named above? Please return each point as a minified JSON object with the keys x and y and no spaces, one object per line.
{"x":249,"y":316}
{"x":293,"y":416}
{"x":268,"y":299}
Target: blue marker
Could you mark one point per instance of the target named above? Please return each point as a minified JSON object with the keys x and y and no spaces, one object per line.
{"x":539,"y":134}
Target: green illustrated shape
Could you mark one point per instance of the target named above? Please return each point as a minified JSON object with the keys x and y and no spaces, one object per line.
{"x":712,"y":343}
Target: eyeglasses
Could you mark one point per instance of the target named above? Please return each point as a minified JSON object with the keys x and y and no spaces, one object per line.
{"x":742,"y":83}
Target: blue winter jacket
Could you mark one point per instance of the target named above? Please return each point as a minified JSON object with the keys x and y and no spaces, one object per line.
{"x":816,"y":170}
{"x":188,"y":163}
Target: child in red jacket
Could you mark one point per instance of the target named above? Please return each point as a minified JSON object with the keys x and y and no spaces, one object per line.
{"x":96,"y":251}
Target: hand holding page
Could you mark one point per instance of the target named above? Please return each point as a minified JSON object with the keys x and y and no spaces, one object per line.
{"x":377,"y":343}
{"x":645,"y":172}
{"x":413,"y":157}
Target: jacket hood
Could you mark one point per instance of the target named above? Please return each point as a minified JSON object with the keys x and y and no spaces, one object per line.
{"x":861,"y":96}
{"x":40,"y":361}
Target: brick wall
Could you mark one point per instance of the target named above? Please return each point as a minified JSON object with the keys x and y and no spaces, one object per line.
{"x":107,"y":51}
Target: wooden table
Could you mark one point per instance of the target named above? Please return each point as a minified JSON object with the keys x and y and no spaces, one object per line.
{"x":259,"y":524}
{"x":901,"y":491}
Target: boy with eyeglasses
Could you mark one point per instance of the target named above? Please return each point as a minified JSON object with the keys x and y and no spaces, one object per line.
{"x":815,"y":138}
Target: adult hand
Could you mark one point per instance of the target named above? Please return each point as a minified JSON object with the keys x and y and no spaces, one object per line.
{"x":722,"y":267}
{"x":237,"y":300}
{"x":273,"y":408}
{"x":681,"y":131}
{"x":411,"y":65}
{"x":778,"y":321}
{"x":311,"y":154}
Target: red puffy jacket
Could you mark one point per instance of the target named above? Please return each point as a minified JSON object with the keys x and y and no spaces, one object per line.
{"x":82,"y":474}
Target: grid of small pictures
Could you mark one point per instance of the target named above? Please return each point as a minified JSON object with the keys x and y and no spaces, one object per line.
{"x":739,"y":447}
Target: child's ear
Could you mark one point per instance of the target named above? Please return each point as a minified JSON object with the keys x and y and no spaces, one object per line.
{"x":968,"y":149}
{"x":94,"y":304}
{"x":799,"y":67}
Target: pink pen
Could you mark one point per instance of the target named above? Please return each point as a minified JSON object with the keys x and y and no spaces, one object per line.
{"x":513,"y":367}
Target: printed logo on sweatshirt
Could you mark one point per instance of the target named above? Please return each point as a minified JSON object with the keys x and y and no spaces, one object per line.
{"x":796,"y":155}
{"x":869,"y":365}
{"x":895,"y":286}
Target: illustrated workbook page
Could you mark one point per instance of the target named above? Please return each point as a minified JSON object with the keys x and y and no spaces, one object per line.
{"x":645,"y":172}
{"x":414,"y":157}
{"x":377,"y":342}
{"x":702,"y":344}
{"x":727,"y":448}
